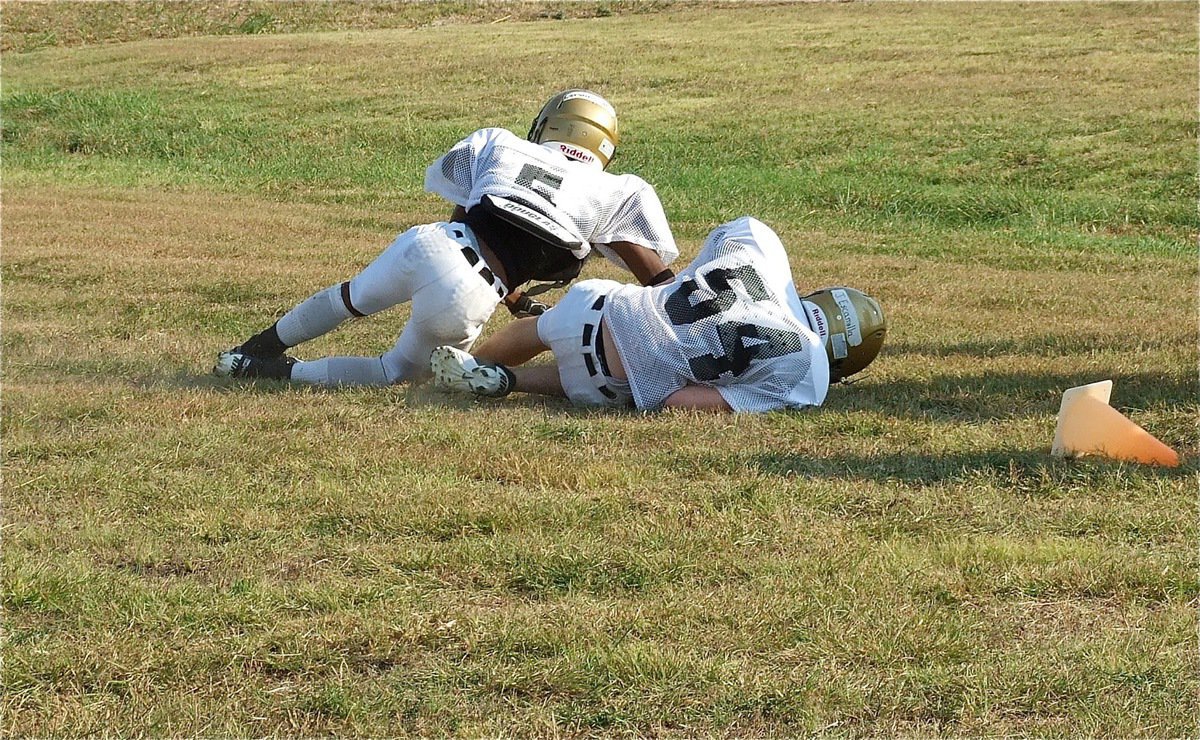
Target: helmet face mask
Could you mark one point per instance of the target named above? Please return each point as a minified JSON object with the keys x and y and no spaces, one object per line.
{"x":852,"y":326}
{"x":581,"y":123}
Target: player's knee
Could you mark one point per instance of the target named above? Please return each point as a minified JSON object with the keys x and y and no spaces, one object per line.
{"x":363,"y":297}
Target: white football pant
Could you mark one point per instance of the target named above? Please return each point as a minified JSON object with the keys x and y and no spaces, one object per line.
{"x":451,"y":302}
{"x":571,"y":329}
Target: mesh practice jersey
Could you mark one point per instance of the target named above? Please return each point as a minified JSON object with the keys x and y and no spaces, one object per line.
{"x":731,"y":319}
{"x":593,"y":205}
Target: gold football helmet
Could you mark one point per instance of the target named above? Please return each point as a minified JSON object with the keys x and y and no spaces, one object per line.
{"x":852,"y":326}
{"x":581,"y":123}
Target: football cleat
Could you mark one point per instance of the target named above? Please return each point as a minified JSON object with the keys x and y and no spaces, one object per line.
{"x":456,"y":370}
{"x":234,"y":364}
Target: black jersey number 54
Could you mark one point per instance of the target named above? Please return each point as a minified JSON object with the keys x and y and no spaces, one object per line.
{"x":741,"y":343}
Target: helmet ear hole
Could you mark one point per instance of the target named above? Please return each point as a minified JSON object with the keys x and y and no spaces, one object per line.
{"x":535,"y":130}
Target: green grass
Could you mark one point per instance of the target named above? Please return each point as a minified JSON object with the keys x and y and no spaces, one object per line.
{"x":187,"y":557}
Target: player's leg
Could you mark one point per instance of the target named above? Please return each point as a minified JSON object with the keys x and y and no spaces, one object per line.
{"x":540,"y":379}
{"x":515,"y":343}
{"x":264,"y":354}
{"x":451,"y":312}
{"x":572,"y":330}
{"x":450,"y":304}
{"x":384,"y":283}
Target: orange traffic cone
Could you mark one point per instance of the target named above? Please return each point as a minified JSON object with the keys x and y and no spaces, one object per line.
{"x":1087,"y":425}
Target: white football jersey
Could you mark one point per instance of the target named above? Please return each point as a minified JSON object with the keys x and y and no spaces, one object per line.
{"x":731,"y":319}
{"x":593,"y":205}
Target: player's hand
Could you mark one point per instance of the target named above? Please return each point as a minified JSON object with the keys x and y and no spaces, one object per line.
{"x":526,"y":306}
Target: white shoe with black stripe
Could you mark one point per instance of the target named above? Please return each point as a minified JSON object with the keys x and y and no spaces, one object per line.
{"x":456,"y":370}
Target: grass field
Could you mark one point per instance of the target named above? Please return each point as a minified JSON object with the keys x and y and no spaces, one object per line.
{"x":189,"y":557}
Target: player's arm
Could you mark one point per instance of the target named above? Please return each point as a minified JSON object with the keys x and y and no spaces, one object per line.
{"x":459,"y":215}
{"x":645,"y":249}
{"x":698,"y":397}
{"x":645,"y":264}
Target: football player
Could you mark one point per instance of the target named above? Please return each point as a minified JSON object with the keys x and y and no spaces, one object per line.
{"x":525,"y":209}
{"x":730,"y":333}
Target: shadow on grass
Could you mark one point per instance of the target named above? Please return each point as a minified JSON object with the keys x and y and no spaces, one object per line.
{"x":419,"y":395}
{"x":1022,"y":470}
{"x":991,"y":395}
{"x":1049,"y":345}
{"x":981,"y":397}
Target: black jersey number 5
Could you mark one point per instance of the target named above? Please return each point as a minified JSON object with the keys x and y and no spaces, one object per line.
{"x":531,"y":175}
{"x":741,"y":343}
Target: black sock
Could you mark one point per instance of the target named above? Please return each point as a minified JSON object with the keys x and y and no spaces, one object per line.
{"x":510,"y":377}
{"x":266,"y":343}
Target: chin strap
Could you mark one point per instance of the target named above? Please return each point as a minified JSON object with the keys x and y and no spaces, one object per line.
{"x":858,"y":378}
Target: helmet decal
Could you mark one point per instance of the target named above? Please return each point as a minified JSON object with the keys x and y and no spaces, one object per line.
{"x":837,"y":343}
{"x":574,"y":152}
{"x":849,"y":316}
{"x":816,"y":319}
{"x":590,"y":97}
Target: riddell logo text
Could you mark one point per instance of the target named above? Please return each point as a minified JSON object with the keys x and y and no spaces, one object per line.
{"x":571,"y":151}
{"x":818,"y":320}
